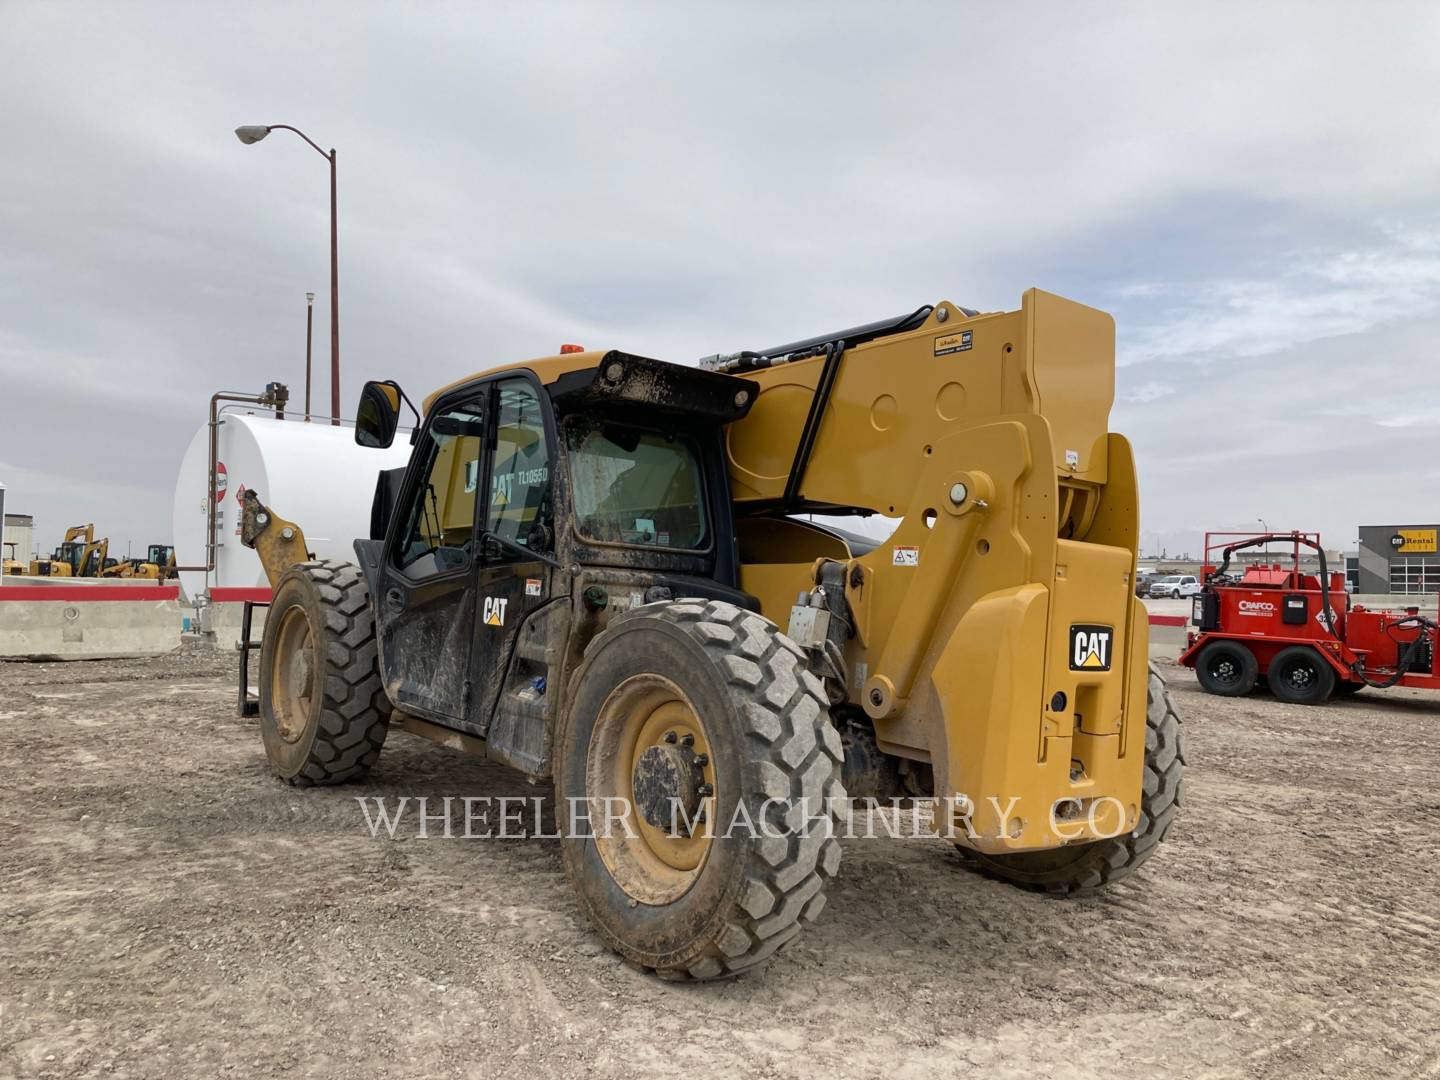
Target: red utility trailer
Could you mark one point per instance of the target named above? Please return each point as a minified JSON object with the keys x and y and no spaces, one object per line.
{"x":1298,"y":630}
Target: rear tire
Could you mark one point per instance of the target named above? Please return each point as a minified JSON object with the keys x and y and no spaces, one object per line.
{"x":685,"y":906}
{"x":1301,"y":676}
{"x":1083,"y":868}
{"x":323,"y":710}
{"x":1226,"y":668}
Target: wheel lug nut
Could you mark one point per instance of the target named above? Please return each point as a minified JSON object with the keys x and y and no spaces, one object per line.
{"x":687,"y":740}
{"x":702,"y":760}
{"x":669,"y":736}
{"x":705,"y":789}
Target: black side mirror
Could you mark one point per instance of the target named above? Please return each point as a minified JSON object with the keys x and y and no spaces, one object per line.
{"x":378,"y":416}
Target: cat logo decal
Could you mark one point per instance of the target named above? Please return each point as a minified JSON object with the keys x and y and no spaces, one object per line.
{"x":494,"y":610}
{"x":1090,"y":647}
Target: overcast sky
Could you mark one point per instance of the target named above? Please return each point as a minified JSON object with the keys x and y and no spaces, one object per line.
{"x":1251,"y":189}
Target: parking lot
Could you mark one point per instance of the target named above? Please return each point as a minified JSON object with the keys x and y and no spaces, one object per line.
{"x":169,"y":909}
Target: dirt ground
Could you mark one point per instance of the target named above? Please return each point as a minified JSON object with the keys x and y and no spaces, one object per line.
{"x":167,"y":908}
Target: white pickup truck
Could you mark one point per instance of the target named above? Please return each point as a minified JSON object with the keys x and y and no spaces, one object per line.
{"x":1174,"y":585}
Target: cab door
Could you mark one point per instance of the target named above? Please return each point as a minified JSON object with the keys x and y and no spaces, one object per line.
{"x":425,"y":597}
{"x":517,"y":535}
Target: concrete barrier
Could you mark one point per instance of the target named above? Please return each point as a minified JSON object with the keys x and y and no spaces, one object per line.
{"x":40,"y":620}
{"x":1167,"y":636}
{"x":89,"y":621}
{"x":221,"y":619}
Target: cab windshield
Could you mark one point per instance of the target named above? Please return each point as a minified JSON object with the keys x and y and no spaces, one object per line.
{"x":635,"y":486}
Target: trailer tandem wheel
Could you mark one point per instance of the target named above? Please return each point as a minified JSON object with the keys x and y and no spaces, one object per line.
{"x":1301,"y":676}
{"x":1226,"y":668}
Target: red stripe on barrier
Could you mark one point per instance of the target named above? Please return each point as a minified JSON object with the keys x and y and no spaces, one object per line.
{"x":121,"y":594}
{"x":256,"y":594}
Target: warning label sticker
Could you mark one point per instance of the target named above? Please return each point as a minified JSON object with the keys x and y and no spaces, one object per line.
{"x":906,"y":556}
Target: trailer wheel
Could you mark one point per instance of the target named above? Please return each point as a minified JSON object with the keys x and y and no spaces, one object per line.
{"x":1083,"y":868}
{"x":323,"y":711}
{"x":1301,"y":676}
{"x":704,"y":710}
{"x":1226,"y":668}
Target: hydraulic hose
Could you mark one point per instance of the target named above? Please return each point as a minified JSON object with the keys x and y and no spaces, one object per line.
{"x":1405,"y":654}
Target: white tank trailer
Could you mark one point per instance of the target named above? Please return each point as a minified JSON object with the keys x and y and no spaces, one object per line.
{"x":310,"y":472}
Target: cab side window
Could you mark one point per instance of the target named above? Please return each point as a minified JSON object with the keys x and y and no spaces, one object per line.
{"x":440,"y":521}
{"x":519,"y":498}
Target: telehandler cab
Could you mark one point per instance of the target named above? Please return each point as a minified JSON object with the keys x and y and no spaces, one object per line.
{"x":590,"y":569}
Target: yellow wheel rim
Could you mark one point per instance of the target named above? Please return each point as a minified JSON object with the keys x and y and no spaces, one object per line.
{"x":648,"y":728}
{"x":292,"y":685}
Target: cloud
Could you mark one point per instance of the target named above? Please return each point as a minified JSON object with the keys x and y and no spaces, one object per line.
{"x":1308,"y":297}
{"x":1149,"y":391}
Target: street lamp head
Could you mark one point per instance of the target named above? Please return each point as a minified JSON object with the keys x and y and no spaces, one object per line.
{"x":251,"y":133}
{"x":310,"y":298}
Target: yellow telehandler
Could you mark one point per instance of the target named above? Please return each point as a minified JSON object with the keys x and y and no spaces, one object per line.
{"x":623,"y":576}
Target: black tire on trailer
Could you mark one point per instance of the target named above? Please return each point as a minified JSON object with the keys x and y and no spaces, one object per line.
{"x":1226,"y":668}
{"x":1346,"y":688}
{"x":1301,"y":676}
{"x":709,"y":705}
{"x":1083,"y":868}
{"x":323,"y":710}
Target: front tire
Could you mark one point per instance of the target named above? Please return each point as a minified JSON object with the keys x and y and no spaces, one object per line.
{"x":661,"y":688}
{"x":1084,"y":868}
{"x":323,"y":711}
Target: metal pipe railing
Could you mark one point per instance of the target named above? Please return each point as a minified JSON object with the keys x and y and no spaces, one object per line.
{"x":276,"y":396}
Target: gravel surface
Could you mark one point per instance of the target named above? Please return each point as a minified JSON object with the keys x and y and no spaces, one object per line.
{"x":167,"y":908}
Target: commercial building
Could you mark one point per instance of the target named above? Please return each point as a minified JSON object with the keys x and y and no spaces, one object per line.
{"x":1398,"y":559}
{"x":20,"y":531}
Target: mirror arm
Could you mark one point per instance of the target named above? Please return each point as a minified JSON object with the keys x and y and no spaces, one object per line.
{"x":487,"y":538}
{"x":406,"y":399}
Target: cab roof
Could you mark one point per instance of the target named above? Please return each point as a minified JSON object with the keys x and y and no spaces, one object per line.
{"x":545,"y":368}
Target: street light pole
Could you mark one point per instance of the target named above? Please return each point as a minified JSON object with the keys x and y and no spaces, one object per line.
{"x":253,"y":133}
{"x":309,"y":337}
{"x":334,"y":301}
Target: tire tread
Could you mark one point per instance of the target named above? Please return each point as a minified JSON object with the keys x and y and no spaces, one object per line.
{"x":786,"y":719}
{"x":355,"y":711}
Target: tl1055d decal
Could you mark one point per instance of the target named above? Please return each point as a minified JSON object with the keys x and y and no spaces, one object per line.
{"x":1090,"y":647}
